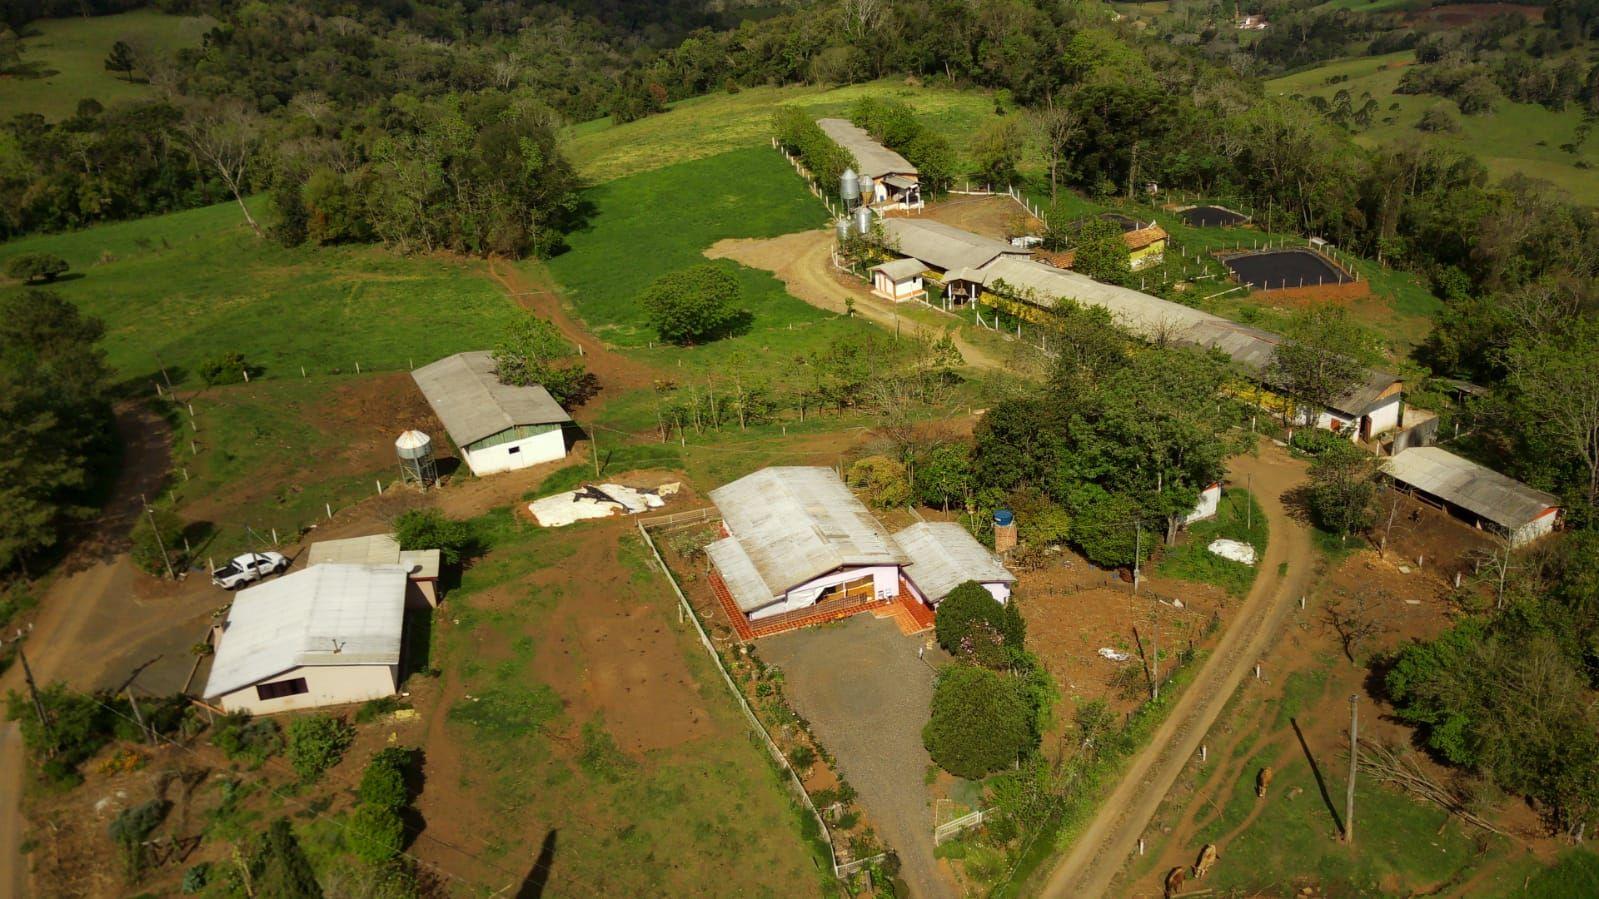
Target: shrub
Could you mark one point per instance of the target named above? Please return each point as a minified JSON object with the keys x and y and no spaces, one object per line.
{"x":131,"y":827}
{"x":195,"y":878}
{"x":241,"y":737}
{"x":224,"y":368}
{"x":156,"y":531}
{"x":373,"y":709}
{"x":376,"y":834}
{"x":882,"y":479}
{"x":79,"y":726}
{"x":972,"y":624}
{"x":431,"y":529}
{"x":802,"y":756}
{"x":383,"y":781}
{"x":278,"y":866}
{"x":36,"y":267}
{"x":1315,"y":441}
{"x":694,"y":305}
{"x":316,"y":743}
{"x":978,"y":725}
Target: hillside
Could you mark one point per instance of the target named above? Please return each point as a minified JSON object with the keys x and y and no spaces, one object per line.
{"x":63,"y":60}
{"x":1515,"y":138}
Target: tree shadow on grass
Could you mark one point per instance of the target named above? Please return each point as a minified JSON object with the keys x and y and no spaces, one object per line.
{"x":538,"y":876}
{"x":1315,"y":771}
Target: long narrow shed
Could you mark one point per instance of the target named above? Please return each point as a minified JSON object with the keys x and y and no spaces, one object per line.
{"x":1480,"y":495}
{"x":944,"y":247}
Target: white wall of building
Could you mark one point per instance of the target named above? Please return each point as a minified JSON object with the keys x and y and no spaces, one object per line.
{"x":524,"y":453}
{"x":1209,"y":502}
{"x":327,"y":685}
{"x":1535,"y":528}
{"x":997,"y":589}
{"x":1386,"y":418}
{"x":885,"y":585}
{"x":896,"y":291}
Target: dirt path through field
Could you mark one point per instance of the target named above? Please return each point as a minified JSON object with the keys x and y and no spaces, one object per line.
{"x":615,"y":370}
{"x":1097,"y":854}
{"x":803,"y":262}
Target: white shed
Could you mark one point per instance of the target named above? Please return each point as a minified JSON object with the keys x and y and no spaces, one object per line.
{"x":497,"y":427}
{"x":326,"y":635}
{"x":943,"y":556}
{"x":898,"y":280}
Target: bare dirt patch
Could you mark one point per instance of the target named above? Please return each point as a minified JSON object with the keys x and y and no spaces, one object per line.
{"x":994,"y":216}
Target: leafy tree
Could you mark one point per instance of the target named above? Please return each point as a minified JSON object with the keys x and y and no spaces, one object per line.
{"x":1100,"y":252}
{"x":534,"y":352}
{"x":36,"y":267}
{"x":996,"y":150}
{"x":1554,"y":399}
{"x":883,"y":480}
{"x":120,"y":60}
{"x":1104,"y":527}
{"x":1343,"y":489}
{"x":979,"y":723}
{"x":80,"y":725}
{"x":432,"y":529}
{"x":944,"y":475}
{"x":150,"y":540}
{"x":972,"y":624}
{"x":376,"y":833}
{"x":279,"y":867}
{"x":316,"y":743}
{"x":694,"y":305}
{"x":1321,"y":362}
{"x":383,"y":781}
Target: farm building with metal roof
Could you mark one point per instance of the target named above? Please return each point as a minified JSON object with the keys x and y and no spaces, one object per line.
{"x":887,"y":179}
{"x":943,"y":556}
{"x":326,"y":635}
{"x":421,"y":565}
{"x":943,"y":247}
{"x":1480,"y":495}
{"x":497,"y":427}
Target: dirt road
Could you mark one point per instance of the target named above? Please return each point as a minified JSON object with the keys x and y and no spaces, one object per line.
{"x":13,"y":867}
{"x":1098,"y":853}
{"x":803,"y":262}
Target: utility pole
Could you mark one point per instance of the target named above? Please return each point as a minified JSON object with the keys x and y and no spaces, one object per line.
{"x":1249,"y":507}
{"x":1155,"y":655}
{"x":160,"y":544}
{"x":594,"y":447}
{"x":33,"y":693}
{"x":1354,"y":756}
{"x":1138,"y":551}
{"x":138,"y":716}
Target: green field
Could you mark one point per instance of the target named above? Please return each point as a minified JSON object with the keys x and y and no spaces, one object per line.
{"x":68,"y":58}
{"x":715,"y":123}
{"x":1238,"y":517}
{"x":179,"y":289}
{"x":1516,"y":138}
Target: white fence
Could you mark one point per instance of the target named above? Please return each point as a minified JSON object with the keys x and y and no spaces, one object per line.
{"x":965,"y":822}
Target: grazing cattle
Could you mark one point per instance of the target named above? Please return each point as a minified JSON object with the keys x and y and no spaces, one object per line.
{"x":1207,"y":858}
{"x":1174,"y":881}
{"x":1262,"y":781}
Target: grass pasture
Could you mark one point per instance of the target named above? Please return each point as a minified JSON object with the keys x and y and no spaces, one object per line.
{"x":181,"y":288}
{"x":64,"y":59}
{"x":1516,"y":138}
{"x":583,"y":710}
{"x":716,"y":123}
{"x":1191,"y":561}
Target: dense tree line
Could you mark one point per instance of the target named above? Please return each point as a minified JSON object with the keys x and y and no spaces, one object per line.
{"x":53,"y":396}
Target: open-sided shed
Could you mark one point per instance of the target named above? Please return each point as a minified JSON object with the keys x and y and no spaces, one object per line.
{"x":1491,"y":501}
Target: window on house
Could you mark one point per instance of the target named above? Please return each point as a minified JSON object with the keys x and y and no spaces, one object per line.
{"x":514,"y":449}
{"x":282,"y":688}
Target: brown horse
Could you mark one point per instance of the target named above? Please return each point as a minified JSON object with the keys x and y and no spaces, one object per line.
{"x":1174,"y":881}
{"x":1262,"y":781}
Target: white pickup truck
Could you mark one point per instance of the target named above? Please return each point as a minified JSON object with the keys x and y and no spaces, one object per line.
{"x":248,"y":568}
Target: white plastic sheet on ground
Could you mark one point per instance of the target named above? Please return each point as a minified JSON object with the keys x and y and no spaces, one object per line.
{"x":1113,"y":655}
{"x":1233,"y":549}
{"x":595,"y":501}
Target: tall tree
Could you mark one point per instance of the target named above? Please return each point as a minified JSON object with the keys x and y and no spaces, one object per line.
{"x":1319,"y":363}
{"x":120,"y":59}
{"x":1555,"y":397}
{"x":224,"y":135}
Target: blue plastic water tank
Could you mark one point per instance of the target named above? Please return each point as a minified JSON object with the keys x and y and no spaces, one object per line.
{"x":1003,"y":517}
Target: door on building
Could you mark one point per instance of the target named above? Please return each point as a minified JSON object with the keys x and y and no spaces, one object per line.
{"x":849,"y":591}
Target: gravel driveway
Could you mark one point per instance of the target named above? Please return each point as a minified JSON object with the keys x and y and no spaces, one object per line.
{"x":866,"y":695}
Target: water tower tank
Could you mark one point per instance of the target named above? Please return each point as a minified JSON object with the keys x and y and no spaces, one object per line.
{"x":849,"y":188}
{"x":415,"y":450}
{"x":841,"y":228}
{"x":863,"y":220}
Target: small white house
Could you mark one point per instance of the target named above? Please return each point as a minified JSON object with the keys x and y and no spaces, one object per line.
{"x":497,"y":427}
{"x":898,"y":280}
{"x":943,"y":556}
{"x":330,"y":634}
{"x":796,"y":537}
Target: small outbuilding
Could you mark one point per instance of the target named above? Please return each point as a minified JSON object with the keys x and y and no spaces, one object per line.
{"x":329,"y":634}
{"x":497,"y":427}
{"x":898,"y":280}
{"x":796,"y":537}
{"x":1484,"y":497}
{"x":421,"y":565}
{"x":943,"y":556}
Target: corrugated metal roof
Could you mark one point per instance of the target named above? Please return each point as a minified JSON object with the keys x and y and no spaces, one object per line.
{"x":797,"y":523}
{"x":944,"y":246}
{"x":1502,"y":500}
{"x":331,"y":614}
{"x":374,"y":549}
{"x":944,"y":556}
{"x":900,"y":269}
{"x":467,"y":396}
{"x":739,"y":574}
{"x":871,"y":158}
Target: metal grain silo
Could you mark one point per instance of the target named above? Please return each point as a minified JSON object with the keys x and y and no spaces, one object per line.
{"x":863,"y":220}
{"x":849,"y":188}
{"x":415,"y":450}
